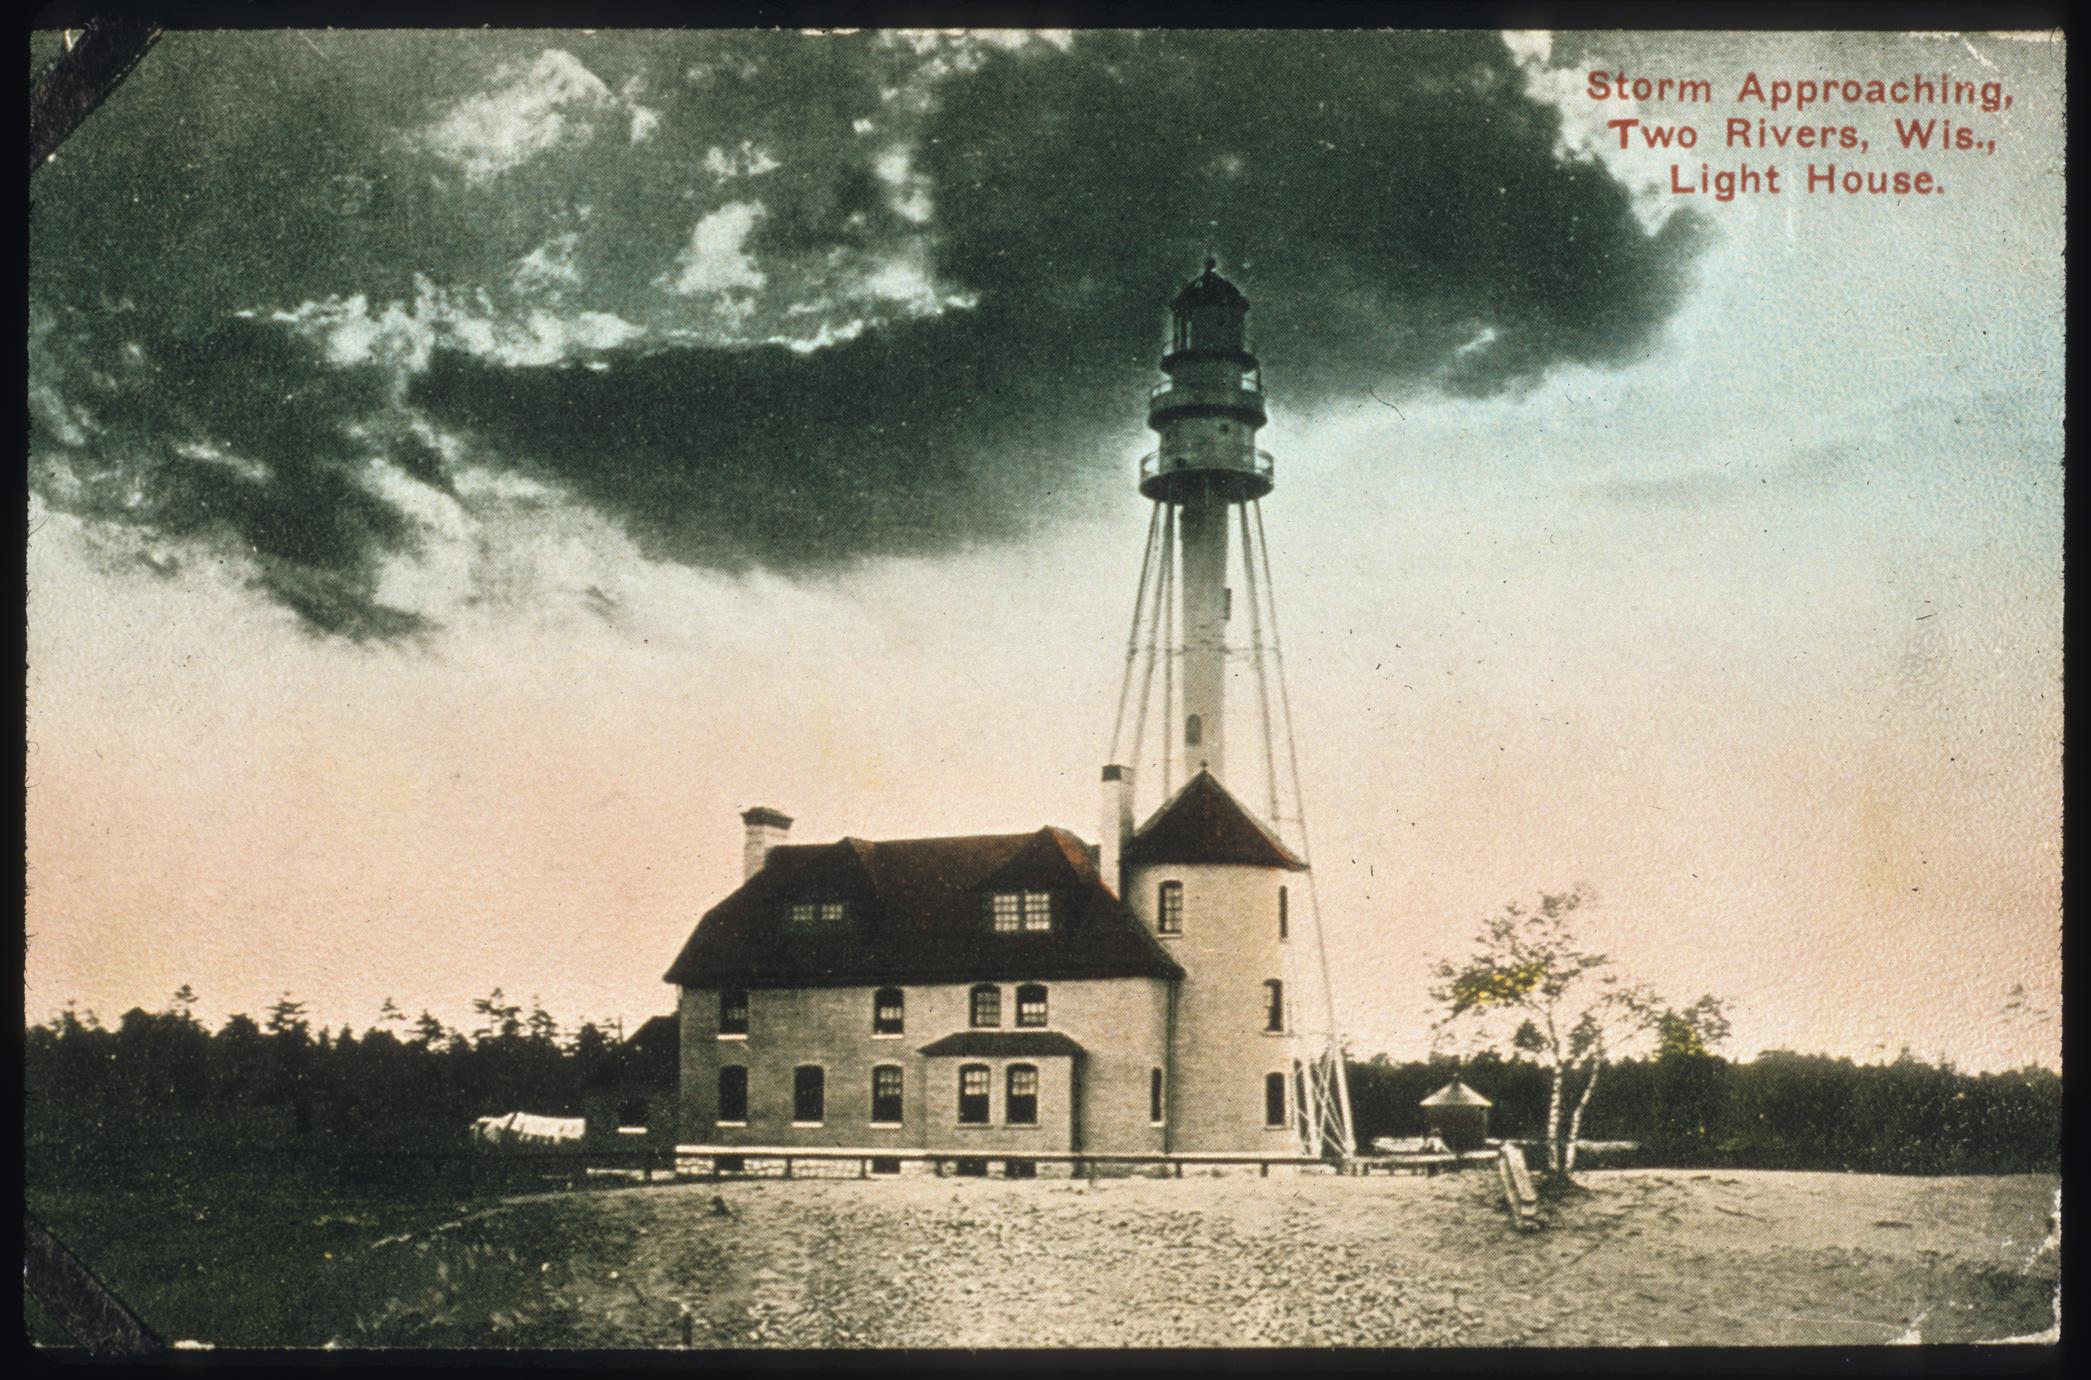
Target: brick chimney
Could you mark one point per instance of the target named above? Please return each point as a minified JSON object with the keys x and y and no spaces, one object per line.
{"x":1116,"y":830}
{"x":766,"y":829}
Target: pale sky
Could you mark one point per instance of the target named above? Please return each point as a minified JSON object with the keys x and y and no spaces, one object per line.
{"x":1745,"y":611}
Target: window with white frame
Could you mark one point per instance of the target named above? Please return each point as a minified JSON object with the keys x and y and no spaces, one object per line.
{"x":809,"y":1095}
{"x":985,"y":1003}
{"x":1031,"y":1004}
{"x":1013,"y":912}
{"x":887,"y":1084}
{"x":733,"y":1096}
{"x":733,"y":1012}
{"x":972,"y":1094}
{"x":888,"y":1011}
{"x":1020,"y":1107}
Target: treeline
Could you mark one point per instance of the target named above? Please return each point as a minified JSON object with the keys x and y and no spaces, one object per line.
{"x":1776,"y":1111}
{"x":281,"y":1080}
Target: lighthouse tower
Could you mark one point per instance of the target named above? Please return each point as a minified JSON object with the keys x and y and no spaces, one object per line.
{"x":1221,"y":888}
{"x":1207,"y":413}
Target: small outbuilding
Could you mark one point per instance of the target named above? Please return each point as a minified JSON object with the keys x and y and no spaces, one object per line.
{"x":1458,"y":1116}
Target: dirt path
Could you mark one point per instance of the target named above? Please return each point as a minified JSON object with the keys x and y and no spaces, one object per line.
{"x":1644,"y":1258}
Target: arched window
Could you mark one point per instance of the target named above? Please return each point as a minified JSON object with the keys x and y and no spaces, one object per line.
{"x":1031,"y":1004}
{"x":972,"y":1094}
{"x":1169,"y":909}
{"x":809,"y":1095}
{"x":733,"y":1096}
{"x":733,"y":1013}
{"x":1274,"y":1099}
{"x":1021,"y":1107}
{"x":1193,"y":731}
{"x":1284,"y":921}
{"x":1154,"y":1097}
{"x":1273,"y":1005}
{"x":887,"y":1082}
{"x":888,"y":1011}
{"x":986,"y":1006}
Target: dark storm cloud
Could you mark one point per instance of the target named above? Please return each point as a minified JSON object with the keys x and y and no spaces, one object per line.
{"x":1393,"y":203}
{"x":239,"y":442}
{"x":1388,"y":199}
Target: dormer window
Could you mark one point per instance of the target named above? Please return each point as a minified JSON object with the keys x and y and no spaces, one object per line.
{"x":818,"y":912}
{"x":1012,"y":912}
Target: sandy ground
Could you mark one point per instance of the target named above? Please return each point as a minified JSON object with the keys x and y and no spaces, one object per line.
{"x":1645,"y":1258}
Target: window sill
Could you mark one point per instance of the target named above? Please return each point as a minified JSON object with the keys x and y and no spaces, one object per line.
{"x":807,"y":1125}
{"x":1168,"y":934}
{"x":1277,"y":1034}
{"x":1033,"y":1025}
{"x":732,"y":1125}
{"x":889,"y":1035}
{"x":887,"y":1125}
{"x":733,"y":1035}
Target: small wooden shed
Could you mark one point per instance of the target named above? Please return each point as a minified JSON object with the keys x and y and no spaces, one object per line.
{"x":1458,"y":1116}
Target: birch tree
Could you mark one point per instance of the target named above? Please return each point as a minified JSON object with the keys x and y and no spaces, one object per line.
{"x":1530,"y":976}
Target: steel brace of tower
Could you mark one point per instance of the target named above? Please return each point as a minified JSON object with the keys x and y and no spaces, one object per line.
{"x":1206,"y":476}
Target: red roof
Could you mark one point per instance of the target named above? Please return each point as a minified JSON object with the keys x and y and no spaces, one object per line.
{"x":915,"y":912}
{"x":1203,"y":823}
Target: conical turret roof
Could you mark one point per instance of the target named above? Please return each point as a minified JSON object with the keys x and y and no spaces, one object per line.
{"x":1203,"y":823}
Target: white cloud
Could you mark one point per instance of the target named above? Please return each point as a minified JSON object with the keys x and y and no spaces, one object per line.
{"x":716,"y":258}
{"x":404,"y":335}
{"x":746,"y":161}
{"x":552,"y":103}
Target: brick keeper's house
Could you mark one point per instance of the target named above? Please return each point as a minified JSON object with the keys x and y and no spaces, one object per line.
{"x":998,"y":994}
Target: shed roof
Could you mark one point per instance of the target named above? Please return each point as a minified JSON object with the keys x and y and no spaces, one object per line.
{"x":1456,"y":1094}
{"x":1204,"y":823}
{"x":1003,"y":1044}
{"x":915,"y":913}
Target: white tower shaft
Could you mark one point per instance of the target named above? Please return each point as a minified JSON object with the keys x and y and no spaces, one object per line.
{"x":1203,"y":730}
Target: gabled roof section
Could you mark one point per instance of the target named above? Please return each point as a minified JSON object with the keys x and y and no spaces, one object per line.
{"x":915,"y":914}
{"x":1204,"y":823}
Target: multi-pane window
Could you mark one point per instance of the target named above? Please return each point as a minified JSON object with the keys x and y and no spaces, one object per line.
{"x":1284,"y":920}
{"x":830,"y":911}
{"x":1154,"y":1096}
{"x":888,"y":1011}
{"x":1274,"y":1099}
{"x":1273,"y":1005}
{"x":1029,"y":911}
{"x":986,"y":1005}
{"x":1031,"y":1004}
{"x":809,"y":1094}
{"x":733,"y":1013}
{"x":809,"y":912}
{"x":1021,"y":1108}
{"x":886,"y":1087}
{"x":733,"y":1095}
{"x":1169,"y":911}
{"x":972,"y":1095}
